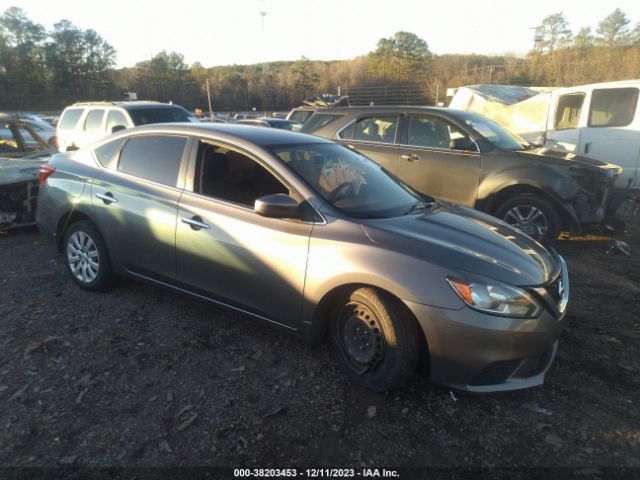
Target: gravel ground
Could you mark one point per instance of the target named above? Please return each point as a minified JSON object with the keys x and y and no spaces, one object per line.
{"x":141,"y":376}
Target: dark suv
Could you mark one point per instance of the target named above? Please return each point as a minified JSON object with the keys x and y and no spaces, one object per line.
{"x":468,"y":159}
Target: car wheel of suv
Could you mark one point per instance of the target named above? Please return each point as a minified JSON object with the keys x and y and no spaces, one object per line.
{"x":375,"y":339}
{"x":533,"y":215}
{"x":86,"y":257}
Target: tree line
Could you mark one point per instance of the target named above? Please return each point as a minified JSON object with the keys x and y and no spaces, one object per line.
{"x":47,"y":70}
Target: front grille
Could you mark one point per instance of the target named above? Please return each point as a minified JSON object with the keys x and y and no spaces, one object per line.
{"x":496,"y":372}
{"x":554,"y":291}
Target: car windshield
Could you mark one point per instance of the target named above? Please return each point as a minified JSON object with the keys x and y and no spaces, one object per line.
{"x":494,"y":133}
{"x":143,"y":116}
{"x":349,"y":181}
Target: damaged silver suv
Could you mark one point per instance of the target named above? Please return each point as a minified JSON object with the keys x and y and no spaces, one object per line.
{"x":468,"y":159}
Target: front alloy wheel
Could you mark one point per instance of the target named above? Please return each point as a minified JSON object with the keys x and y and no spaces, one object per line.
{"x":529,"y":219}
{"x":533,"y":215}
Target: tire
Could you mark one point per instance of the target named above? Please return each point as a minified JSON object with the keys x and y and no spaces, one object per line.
{"x":533,"y":215}
{"x":86,"y":257}
{"x":375,"y":339}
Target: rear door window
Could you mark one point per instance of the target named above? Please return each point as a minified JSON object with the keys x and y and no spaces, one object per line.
{"x":93,"y":122}
{"x":153,"y":157}
{"x":568,"y":111}
{"x":379,"y":129}
{"x":427,"y":131}
{"x":70,"y":118}
{"x":613,"y":107}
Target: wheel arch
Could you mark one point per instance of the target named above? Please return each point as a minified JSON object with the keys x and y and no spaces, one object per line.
{"x":494,"y":200}
{"x":316,"y":327}
{"x":65,"y":221}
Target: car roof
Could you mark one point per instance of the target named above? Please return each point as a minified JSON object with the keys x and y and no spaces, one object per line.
{"x":144,"y":104}
{"x":391,"y":108}
{"x":256,"y":135}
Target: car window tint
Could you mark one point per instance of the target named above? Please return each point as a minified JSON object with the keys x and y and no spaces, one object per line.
{"x":159,"y":114}
{"x":107,"y":153}
{"x":93,"y":122}
{"x":432,"y":132}
{"x":613,"y":107}
{"x":301,"y":115}
{"x":376,"y":129}
{"x":347,"y":132}
{"x":319,"y":120}
{"x":153,"y":157}
{"x":70,"y":118}
{"x":568,"y":110}
{"x":116,"y":118}
{"x":231,"y":176}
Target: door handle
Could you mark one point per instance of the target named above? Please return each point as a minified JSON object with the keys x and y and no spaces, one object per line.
{"x":195,"y":223}
{"x":411,"y":157}
{"x":107,"y":198}
{"x":587,"y":146}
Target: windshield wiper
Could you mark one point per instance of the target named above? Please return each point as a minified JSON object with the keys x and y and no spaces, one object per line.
{"x":417,"y":206}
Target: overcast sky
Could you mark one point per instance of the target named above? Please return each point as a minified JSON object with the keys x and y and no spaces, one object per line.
{"x":223,"y":32}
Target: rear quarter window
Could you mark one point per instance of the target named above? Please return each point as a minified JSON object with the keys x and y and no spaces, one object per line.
{"x":108,"y":152}
{"x":69,"y":118}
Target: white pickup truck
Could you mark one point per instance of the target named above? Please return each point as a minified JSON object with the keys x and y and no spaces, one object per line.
{"x":600,"y":121}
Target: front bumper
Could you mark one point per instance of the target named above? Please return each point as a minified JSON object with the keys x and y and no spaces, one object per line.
{"x":477,"y":352}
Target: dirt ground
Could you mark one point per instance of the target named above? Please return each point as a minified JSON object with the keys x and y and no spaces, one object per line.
{"x":141,"y":376}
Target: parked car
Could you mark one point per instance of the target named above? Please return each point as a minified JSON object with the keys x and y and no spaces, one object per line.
{"x":44,"y":129}
{"x":270,"y":122}
{"x":19,"y":189}
{"x":301,"y":114}
{"x":19,"y":138}
{"x":316,"y":239}
{"x":468,"y":159}
{"x":84,"y":123}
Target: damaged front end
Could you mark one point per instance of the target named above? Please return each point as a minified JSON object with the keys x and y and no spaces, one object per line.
{"x":597,"y":204}
{"x":18,"y":192}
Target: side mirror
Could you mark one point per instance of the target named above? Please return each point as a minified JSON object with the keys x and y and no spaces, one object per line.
{"x":117,"y":128}
{"x":277,"y":205}
{"x":462,"y":143}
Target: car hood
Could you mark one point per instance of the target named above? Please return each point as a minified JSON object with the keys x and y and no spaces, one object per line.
{"x":560,"y":157}
{"x":467,"y":241}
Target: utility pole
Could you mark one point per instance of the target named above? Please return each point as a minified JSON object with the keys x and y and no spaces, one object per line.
{"x":209,"y":97}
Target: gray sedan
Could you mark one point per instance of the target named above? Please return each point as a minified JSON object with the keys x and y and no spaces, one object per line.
{"x":315,"y":239}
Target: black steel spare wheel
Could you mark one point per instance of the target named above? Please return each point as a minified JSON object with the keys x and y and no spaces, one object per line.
{"x":362,"y":337}
{"x":375,"y":338}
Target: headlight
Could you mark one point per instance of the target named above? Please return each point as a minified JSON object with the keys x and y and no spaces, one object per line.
{"x":496,"y":298}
